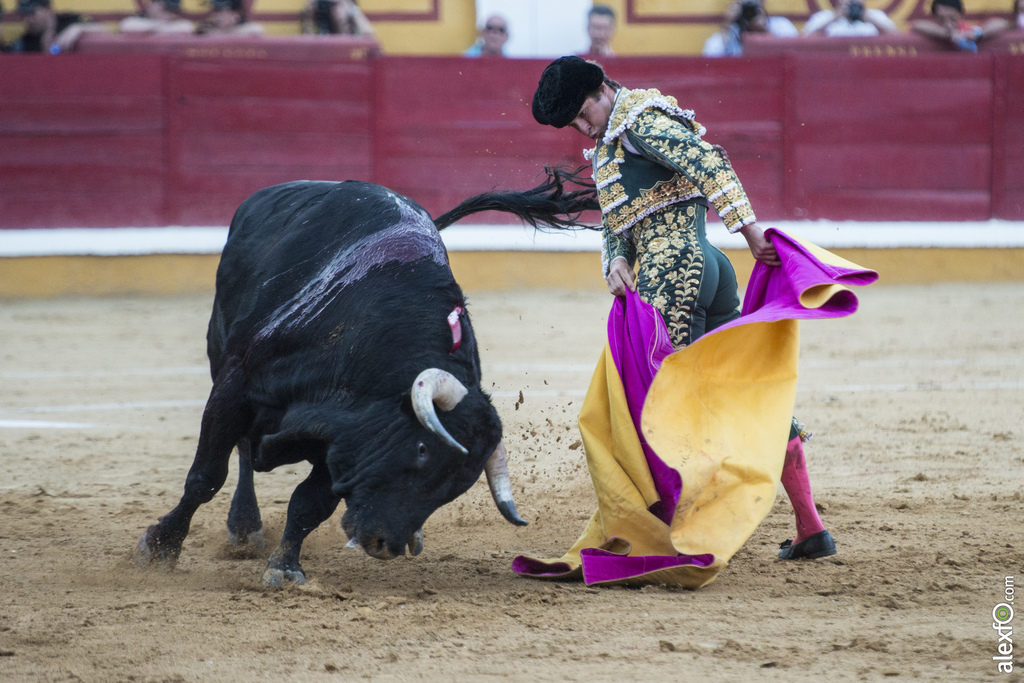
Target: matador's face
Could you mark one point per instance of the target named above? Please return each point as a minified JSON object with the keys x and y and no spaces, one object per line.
{"x":593,"y":118}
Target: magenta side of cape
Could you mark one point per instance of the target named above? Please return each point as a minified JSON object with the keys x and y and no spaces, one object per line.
{"x":774,"y":293}
{"x":601,"y":565}
{"x":639,"y":342}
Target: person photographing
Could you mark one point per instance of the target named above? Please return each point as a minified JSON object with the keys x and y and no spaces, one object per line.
{"x":849,"y":18}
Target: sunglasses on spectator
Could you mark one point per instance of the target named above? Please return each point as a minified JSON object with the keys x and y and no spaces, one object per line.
{"x":496,"y":29}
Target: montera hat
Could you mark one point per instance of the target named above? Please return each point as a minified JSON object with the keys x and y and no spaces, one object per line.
{"x":563,"y":88}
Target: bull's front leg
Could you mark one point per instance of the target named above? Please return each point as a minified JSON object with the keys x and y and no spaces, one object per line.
{"x":311,"y":504}
{"x":245,"y":528}
{"x":225,"y":421}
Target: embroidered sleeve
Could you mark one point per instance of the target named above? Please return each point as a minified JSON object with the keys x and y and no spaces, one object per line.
{"x":669,"y":143}
{"x":613,"y":247}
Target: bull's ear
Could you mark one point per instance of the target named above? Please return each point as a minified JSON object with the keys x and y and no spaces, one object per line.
{"x":304,"y":429}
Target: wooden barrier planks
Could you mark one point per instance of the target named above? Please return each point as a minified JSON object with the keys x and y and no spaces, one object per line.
{"x":895,"y":139}
{"x":1008,"y":138}
{"x":449,"y":128}
{"x":98,"y":140}
{"x":81,"y":141}
{"x":237,"y":126}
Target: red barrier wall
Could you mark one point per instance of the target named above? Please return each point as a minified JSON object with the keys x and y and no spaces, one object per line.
{"x":1008,"y":138}
{"x":898,"y":45}
{"x":236,"y":126}
{"x":295,"y":48}
{"x":446,"y":128}
{"x":82,"y":141}
{"x":868,"y":141}
{"x":158,"y":139}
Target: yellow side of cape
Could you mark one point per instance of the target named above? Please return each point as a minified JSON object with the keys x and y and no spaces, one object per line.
{"x":719,"y":413}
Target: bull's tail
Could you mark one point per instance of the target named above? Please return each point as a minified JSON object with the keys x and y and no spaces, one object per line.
{"x":549,"y":204}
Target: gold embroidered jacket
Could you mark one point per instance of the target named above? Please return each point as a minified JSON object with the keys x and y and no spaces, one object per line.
{"x":671,"y":164}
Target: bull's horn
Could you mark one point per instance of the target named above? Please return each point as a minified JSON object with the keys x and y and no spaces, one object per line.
{"x":501,"y":488}
{"x":434,"y":386}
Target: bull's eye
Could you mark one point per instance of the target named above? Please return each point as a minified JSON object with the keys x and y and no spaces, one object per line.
{"x":421,"y":454}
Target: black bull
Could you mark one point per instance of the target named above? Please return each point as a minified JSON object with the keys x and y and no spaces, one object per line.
{"x":339,"y":337}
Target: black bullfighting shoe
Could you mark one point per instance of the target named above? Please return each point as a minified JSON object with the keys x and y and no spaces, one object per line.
{"x":813,"y":547}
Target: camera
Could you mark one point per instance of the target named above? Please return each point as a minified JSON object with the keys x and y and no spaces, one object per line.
{"x":855,"y":11}
{"x":749,"y":10}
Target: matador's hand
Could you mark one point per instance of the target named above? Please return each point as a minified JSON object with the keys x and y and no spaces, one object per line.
{"x":621,"y":277}
{"x":759,"y":245}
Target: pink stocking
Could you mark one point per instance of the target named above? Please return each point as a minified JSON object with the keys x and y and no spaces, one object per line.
{"x":798,"y":488}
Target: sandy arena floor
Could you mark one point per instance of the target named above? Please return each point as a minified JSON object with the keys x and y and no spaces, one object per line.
{"x":916,"y":406}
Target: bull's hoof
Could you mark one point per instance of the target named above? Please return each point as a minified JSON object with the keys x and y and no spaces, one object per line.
{"x":247,"y":539}
{"x":149,"y":555}
{"x":275,"y":576}
{"x":416,"y":543}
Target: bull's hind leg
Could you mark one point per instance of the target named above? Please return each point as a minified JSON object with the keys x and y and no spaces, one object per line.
{"x":245,"y":528}
{"x":312,"y":503}
{"x":225,"y":421}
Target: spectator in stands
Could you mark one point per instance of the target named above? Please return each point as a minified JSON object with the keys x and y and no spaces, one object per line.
{"x":48,"y":31}
{"x":746,"y":16}
{"x":158,"y":16}
{"x":849,"y":18}
{"x":948,"y":26}
{"x":1018,"y":14}
{"x":228,"y":18}
{"x":492,"y":38}
{"x":335,"y":17}
{"x":601,"y":30}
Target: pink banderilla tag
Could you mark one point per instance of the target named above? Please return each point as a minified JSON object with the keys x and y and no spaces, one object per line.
{"x":453,"y":322}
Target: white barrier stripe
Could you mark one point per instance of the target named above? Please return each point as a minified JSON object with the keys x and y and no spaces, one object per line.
{"x":916,"y":386}
{"x":141,"y":372}
{"x":540,"y":393}
{"x":808,"y":363}
{"x":990,"y":234}
{"x":113,"y":241}
{"x":828,"y":234}
{"x":130,"y":405}
{"x":43,"y":424}
{"x":988,"y":361}
{"x":526,"y":367}
{"x":823,"y":389}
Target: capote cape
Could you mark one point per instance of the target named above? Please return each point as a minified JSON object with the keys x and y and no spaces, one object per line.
{"x":685,"y":449}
